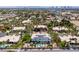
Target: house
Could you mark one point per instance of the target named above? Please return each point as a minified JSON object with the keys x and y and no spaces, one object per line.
{"x":40,"y":36}
{"x":73,"y":43}
{"x":49,"y":17}
{"x":58,"y":28}
{"x":10,"y":38}
{"x":40,"y":28}
{"x":18,"y":28}
{"x":41,"y":40}
{"x":26,"y":21}
{"x":67,"y":38}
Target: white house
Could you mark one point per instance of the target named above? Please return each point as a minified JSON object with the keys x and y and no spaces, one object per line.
{"x":40,"y":26}
{"x":18,"y":28}
{"x":11,"y":38}
{"x":68,"y":37}
{"x":58,"y":28}
{"x":26,"y":21}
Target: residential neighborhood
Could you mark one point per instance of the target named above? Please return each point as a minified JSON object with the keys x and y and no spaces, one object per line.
{"x":39,"y":29}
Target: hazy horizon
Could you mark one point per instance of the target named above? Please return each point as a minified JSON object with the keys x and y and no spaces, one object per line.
{"x":37,"y":6}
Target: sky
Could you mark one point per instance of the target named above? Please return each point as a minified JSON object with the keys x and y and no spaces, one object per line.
{"x":39,"y":2}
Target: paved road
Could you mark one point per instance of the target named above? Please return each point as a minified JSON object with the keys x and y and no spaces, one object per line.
{"x":37,"y":50}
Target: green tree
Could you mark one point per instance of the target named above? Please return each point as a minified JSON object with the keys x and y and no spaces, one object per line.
{"x":26,"y":38}
{"x":63,"y":44}
{"x":55,"y":38}
{"x":4,"y":12}
{"x":66,"y":23}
